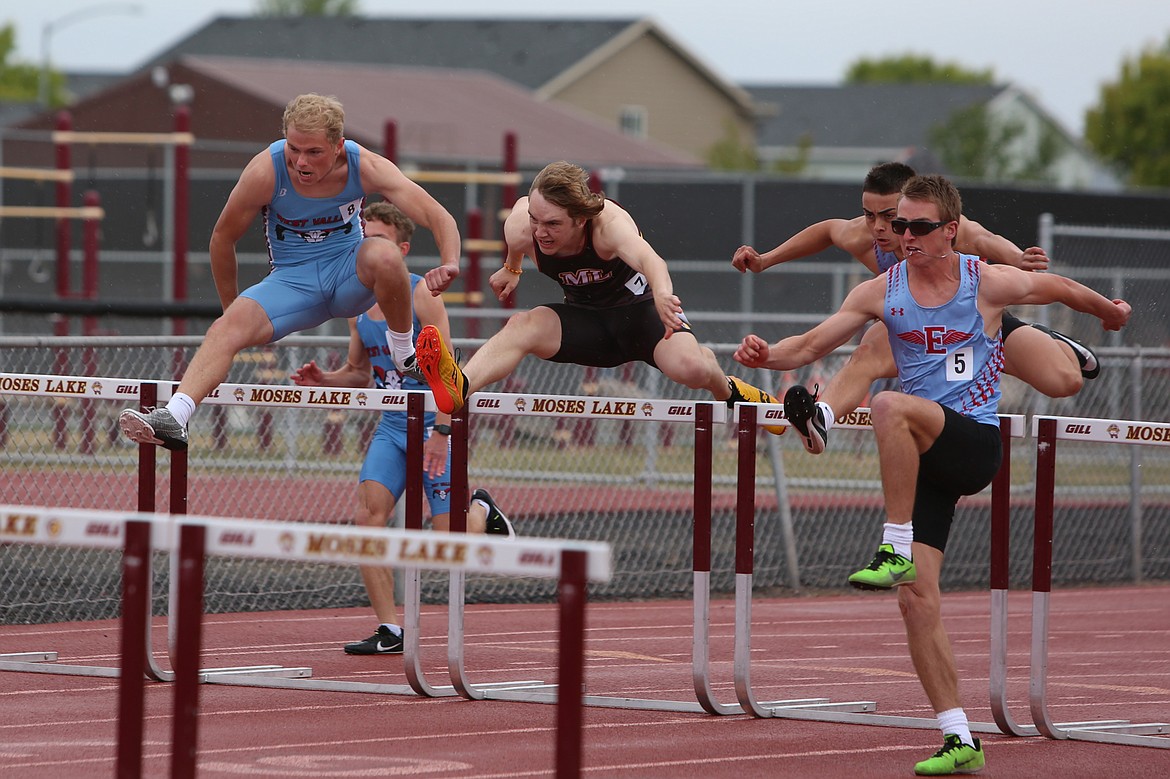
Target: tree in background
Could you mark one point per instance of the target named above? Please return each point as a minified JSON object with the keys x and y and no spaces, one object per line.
{"x":971,"y":143}
{"x":911,"y":69}
{"x":307,"y":8}
{"x":19,"y":82}
{"x":1130,"y":125}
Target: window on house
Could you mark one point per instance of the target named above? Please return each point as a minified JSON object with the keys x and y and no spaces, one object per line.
{"x":632,"y":120}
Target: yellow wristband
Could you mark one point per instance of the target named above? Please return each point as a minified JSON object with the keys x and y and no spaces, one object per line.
{"x":510,"y":269}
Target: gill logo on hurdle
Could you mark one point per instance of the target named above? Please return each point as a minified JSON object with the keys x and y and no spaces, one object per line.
{"x":1118,"y":431}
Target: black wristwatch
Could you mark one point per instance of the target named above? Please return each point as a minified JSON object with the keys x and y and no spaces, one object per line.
{"x":442,"y":429}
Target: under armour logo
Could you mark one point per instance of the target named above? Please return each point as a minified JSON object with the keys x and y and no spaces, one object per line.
{"x":897,"y":311}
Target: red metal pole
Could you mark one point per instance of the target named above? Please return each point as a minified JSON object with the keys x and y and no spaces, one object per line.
{"x":1001,"y":509}
{"x":390,"y":141}
{"x":471,"y":284}
{"x":136,"y":572}
{"x":460,"y":431}
{"x":61,"y":325}
{"x":745,"y":491}
{"x":571,"y":590}
{"x":89,"y":291}
{"x":594,"y":181}
{"x":415,"y":419}
{"x":147,"y":475}
{"x":64,"y":200}
{"x":1045,"y":506}
{"x":188,"y":640}
{"x":703,"y":458}
{"x":182,"y":213}
{"x":509,"y":192}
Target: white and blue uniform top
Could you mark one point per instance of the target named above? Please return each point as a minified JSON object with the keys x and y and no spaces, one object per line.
{"x":942,"y":352}
{"x":386,"y":375}
{"x":301,"y":229}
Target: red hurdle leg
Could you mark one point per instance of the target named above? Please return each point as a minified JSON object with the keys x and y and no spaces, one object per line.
{"x":185,"y":734}
{"x":132,"y":677}
{"x":571,"y":591}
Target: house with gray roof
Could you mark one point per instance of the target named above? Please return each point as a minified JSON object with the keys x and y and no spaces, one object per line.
{"x":837,"y":133}
{"x":630,"y":74}
{"x":443,"y":117}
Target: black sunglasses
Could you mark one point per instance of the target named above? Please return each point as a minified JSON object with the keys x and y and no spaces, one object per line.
{"x":900,"y":226}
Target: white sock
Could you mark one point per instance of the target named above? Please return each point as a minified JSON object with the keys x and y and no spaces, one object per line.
{"x":900,"y":536}
{"x":396,"y":630}
{"x":828,"y":412}
{"x":401,"y":346}
{"x":955,"y":721}
{"x":181,"y":407}
{"x":483,"y":503}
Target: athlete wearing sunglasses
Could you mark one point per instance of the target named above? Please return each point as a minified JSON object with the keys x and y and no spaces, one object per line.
{"x":1051,"y":362}
{"x":918,"y":227}
{"x":938,"y":439}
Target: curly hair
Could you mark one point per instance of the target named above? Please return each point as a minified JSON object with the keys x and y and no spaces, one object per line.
{"x":567,"y":185}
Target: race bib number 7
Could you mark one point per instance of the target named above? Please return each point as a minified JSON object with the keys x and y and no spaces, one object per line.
{"x":637,"y":284}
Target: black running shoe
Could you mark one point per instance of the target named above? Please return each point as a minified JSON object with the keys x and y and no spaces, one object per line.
{"x":383,"y":642}
{"x":807,"y":417}
{"x":1090,"y":367}
{"x":497,"y":524}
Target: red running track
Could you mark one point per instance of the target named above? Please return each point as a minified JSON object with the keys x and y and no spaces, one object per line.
{"x":1109,"y":658}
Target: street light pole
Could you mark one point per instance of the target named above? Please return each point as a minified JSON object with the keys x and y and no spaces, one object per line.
{"x":49,"y":28}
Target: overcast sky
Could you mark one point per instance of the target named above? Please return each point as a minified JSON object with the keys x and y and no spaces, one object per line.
{"x":1059,"y":51}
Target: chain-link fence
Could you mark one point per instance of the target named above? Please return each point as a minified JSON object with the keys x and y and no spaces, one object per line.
{"x":628,"y":483}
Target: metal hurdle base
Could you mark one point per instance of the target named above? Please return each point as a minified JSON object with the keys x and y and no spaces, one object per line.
{"x":46,"y":663}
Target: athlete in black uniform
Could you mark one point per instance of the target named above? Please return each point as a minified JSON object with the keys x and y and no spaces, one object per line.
{"x":619,"y":301}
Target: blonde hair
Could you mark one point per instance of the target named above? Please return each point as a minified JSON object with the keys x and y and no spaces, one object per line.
{"x":312,"y":113}
{"x":567,"y":185}
{"x":390,"y":214}
{"x":938,"y":190}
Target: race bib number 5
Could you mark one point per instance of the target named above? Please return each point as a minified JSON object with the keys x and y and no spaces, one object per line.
{"x":959,"y":364}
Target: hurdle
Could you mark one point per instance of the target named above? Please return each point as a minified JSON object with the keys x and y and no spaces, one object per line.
{"x":149,"y":393}
{"x":72,"y":388}
{"x":747,"y":424}
{"x":1047,"y":430}
{"x":573,"y":563}
{"x":560,"y":406}
{"x":89,"y":388}
{"x":702,"y":415}
{"x":361,"y":399}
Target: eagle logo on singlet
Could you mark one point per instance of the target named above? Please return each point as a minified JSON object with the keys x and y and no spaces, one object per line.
{"x":935,"y":338}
